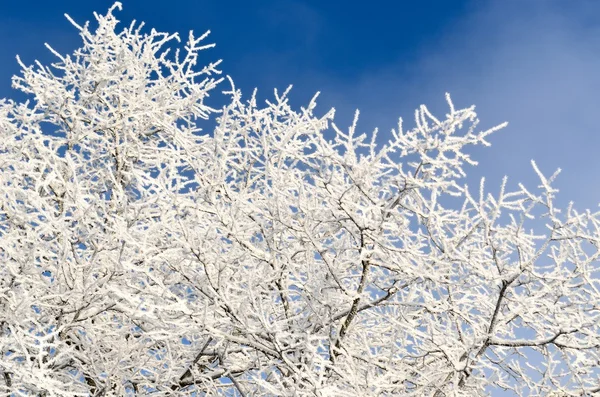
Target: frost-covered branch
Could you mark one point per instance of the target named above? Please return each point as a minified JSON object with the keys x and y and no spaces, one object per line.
{"x":147,"y":251}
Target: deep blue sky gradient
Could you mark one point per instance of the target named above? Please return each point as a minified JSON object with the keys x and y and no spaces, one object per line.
{"x":533,"y":63}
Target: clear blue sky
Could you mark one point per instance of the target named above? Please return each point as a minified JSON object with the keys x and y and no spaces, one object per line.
{"x":533,"y":63}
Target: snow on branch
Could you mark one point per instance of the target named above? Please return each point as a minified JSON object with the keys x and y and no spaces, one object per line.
{"x":147,"y":251}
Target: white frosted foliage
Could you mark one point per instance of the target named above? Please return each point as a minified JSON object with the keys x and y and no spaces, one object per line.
{"x":153,"y":245}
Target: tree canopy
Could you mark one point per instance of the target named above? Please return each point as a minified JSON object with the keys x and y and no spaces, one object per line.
{"x":151,"y":244}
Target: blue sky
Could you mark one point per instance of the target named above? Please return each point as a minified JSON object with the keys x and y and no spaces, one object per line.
{"x":533,"y":63}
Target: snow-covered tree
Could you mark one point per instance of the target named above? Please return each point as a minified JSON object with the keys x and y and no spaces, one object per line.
{"x":142,"y":254}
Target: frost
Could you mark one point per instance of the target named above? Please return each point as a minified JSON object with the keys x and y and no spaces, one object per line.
{"x":147,"y":251}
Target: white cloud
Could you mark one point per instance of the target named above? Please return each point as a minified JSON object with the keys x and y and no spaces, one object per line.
{"x":535,"y":64}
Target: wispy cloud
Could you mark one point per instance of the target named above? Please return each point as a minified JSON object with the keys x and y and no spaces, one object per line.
{"x":535,"y":64}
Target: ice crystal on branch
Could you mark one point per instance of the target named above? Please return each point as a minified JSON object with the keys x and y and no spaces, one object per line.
{"x":143,"y":255}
